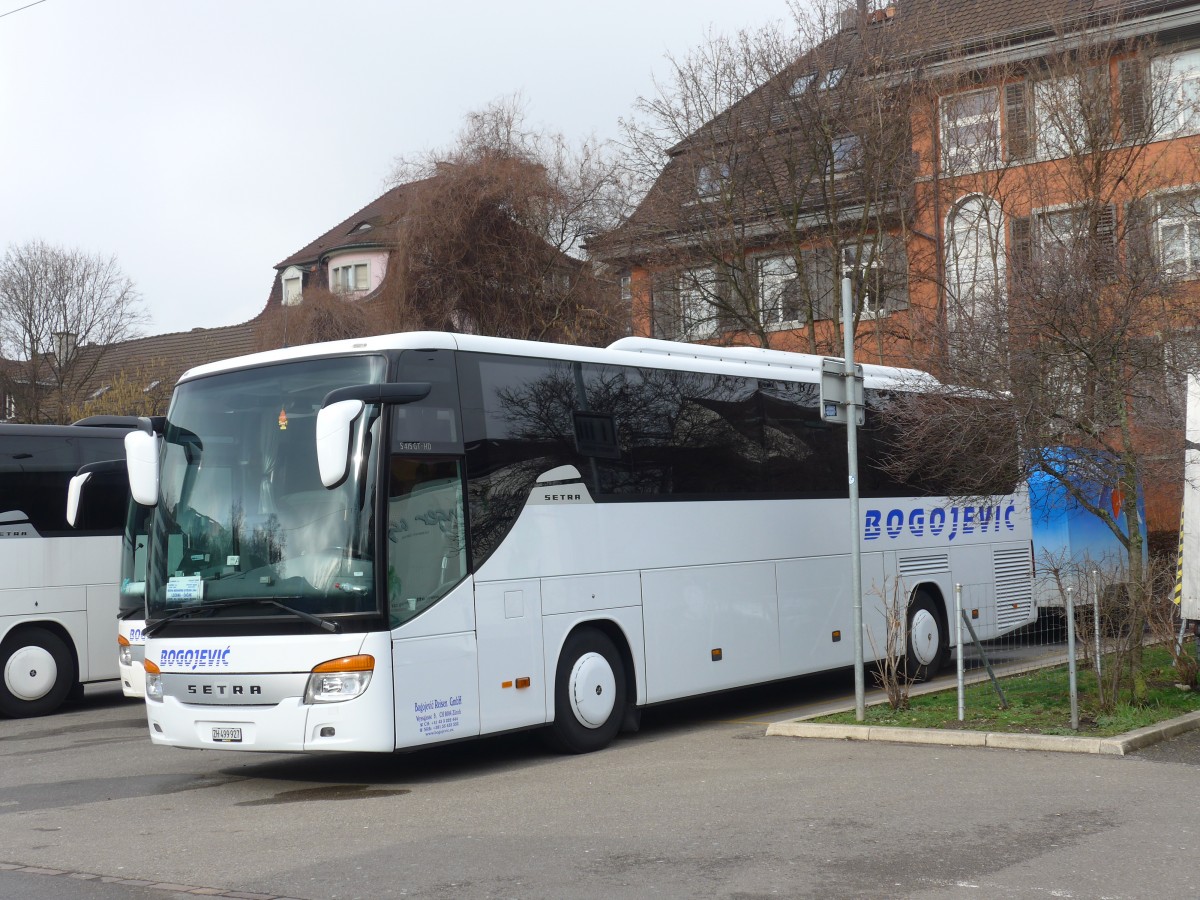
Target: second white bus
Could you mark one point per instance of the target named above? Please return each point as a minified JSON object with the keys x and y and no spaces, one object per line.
{"x":404,"y":540}
{"x":58,"y":584}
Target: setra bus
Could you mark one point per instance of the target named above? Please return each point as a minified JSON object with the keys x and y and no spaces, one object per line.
{"x":58,"y":584}
{"x":416,"y":538}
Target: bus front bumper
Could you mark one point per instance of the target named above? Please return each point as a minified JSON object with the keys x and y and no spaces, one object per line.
{"x":290,"y":726}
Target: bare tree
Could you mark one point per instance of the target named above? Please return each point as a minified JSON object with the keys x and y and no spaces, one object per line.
{"x":788,"y":162}
{"x":59,"y":310}
{"x":495,"y":239}
{"x":1062,"y":300}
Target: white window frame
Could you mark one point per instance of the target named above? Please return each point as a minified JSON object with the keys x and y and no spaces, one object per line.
{"x":978,"y":155}
{"x":1057,"y":102}
{"x":771,"y":276}
{"x":292,"y":276}
{"x":975,"y":262}
{"x":625,"y":288}
{"x":697,"y":315}
{"x":877,"y":308}
{"x":1186,"y":262}
{"x":1174,"y":78}
{"x":343,"y":279}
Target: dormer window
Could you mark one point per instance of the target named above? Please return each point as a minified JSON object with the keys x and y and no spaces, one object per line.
{"x":363,"y":226}
{"x":151,"y":386}
{"x":98,"y":393}
{"x":832,"y":79}
{"x":710,"y":179}
{"x":293,"y":286}
{"x":802,"y":84}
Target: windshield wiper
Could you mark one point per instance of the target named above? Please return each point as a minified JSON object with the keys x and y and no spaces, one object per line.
{"x":193,"y":608}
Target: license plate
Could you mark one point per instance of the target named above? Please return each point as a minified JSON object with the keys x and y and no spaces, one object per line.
{"x":227,"y":735}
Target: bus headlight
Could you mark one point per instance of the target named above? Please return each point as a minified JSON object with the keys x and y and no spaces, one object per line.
{"x":154,"y":685}
{"x":125,"y":654}
{"x":339,"y":679}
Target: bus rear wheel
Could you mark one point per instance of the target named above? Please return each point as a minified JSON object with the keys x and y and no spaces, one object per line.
{"x":589,"y":694}
{"x":926,"y":643}
{"x":38,"y":672}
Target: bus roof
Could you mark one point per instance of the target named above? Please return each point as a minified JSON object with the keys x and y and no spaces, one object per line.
{"x":13,"y":429}
{"x":753,"y":362}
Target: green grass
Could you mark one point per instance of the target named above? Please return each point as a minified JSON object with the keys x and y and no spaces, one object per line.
{"x":1039,"y":703}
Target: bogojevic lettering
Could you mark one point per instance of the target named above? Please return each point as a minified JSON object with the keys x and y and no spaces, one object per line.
{"x":947,"y":522}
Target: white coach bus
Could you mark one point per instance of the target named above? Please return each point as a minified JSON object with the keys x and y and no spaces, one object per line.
{"x":58,"y":584}
{"x":403,"y":540}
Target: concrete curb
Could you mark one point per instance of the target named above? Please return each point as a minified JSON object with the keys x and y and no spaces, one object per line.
{"x":1111,"y":746}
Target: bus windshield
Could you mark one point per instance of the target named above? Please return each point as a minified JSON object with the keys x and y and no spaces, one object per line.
{"x":242,"y":513}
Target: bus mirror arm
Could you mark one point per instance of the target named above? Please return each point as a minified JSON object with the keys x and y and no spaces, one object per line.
{"x":399,"y":392}
{"x":338,"y":412}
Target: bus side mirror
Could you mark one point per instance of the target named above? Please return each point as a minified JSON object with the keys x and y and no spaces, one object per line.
{"x":74,"y":489}
{"x":338,"y":412}
{"x":141,"y":459}
{"x":333,"y":439}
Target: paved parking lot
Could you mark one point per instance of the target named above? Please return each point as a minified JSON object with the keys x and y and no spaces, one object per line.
{"x":698,"y":804}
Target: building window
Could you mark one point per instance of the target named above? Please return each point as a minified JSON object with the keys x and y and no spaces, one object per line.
{"x":10,"y":406}
{"x":1177,"y":79}
{"x":697,"y":313}
{"x":975,"y":266}
{"x":832,"y":79}
{"x":845,"y":154}
{"x":1058,"y":112}
{"x":1178,"y":232}
{"x":350,"y":278}
{"x":710,"y":179}
{"x":778,"y":289}
{"x":801,"y":84}
{"x":970,"y":131}
{"x":625,"y":288}
{"x":293,"y":286}
{"x":876,"y":268}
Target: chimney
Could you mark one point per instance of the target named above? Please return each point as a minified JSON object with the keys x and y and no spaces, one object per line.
{"x":64,"y":346}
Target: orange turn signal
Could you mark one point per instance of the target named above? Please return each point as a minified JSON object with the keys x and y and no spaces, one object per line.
{"x":151,"y":667}
{"x":122,"y":641}
{"x":363,"y":662}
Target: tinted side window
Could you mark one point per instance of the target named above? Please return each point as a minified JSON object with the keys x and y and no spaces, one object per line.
{"x":518,"y":423}
{"x":34,"y":473}
{"x":107,"y":494}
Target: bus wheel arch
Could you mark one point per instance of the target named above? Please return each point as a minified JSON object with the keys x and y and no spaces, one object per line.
{"x":38,"y":670}
{"x":591,"y":688}
{"x":926,"y":633}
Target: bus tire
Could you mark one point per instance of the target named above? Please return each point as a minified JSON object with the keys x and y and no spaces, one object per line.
{"x":37,"y":672}
{"x":589,"y":694}
{"x":926,"y":644}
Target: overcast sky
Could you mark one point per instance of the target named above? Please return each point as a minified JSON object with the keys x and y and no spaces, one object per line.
{"x":203,"y":141}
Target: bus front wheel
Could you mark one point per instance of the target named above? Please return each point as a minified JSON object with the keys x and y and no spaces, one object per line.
{"x":926,"y":644}
{"x":38,"y":672}
{"x":589,"y":694}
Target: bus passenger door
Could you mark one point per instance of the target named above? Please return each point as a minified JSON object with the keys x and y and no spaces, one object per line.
{"x":508,"y":622}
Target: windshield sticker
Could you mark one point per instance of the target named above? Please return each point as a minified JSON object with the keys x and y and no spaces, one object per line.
{"x":186,"y":587}
{"x":438,"y":716}
{"x":283,"y":420}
